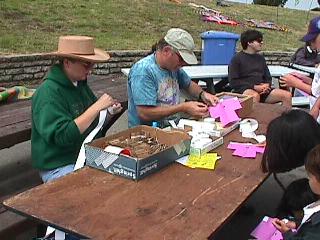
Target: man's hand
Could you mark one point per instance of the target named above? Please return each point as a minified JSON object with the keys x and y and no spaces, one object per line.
{"x":283,"y":226}
{"x":209,"y":99}
{"x":196,"y":109}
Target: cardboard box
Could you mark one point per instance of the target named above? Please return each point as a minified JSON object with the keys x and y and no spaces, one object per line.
{"x":245,"y":101}
{"x":206,"y":148}
{"x":178,"y":143}
{"x":222,"y":131}
{"x":213,"y":129}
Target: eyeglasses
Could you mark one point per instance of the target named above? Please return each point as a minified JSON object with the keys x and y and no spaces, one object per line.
{"x":259,"y":40}
{"x":86,"y":65}
{"x":178,"y":54}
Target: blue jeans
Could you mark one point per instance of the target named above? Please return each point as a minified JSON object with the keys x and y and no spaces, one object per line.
{"x":50,"y":175}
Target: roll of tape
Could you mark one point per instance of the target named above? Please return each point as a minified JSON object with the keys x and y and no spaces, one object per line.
{"x":209,"y":120}
{"x":113,"y":149}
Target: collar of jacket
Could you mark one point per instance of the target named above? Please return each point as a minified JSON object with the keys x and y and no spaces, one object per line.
{"x":315,"y":218}
{"x":57,"y":74}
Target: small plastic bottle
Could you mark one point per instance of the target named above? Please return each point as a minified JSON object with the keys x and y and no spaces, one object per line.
{"x":155,"y":124}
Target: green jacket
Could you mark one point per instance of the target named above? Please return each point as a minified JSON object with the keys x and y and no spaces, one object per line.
{"x":55,"y":138}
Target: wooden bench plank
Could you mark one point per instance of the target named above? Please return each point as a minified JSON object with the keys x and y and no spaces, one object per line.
{"x":15,"y":116}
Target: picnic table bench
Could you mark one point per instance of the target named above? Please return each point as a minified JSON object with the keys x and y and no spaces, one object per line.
{"x":15,"y":117}
{"x":15,"y":123}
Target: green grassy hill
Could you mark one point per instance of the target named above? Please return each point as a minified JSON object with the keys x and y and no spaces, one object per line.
{"x":29,"y":26}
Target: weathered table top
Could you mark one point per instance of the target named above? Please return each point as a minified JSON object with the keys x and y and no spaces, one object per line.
{"x":15,"y":117}
{"x":175,"y":203}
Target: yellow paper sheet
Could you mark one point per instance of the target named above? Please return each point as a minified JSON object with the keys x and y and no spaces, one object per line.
{"x":207,"y":161}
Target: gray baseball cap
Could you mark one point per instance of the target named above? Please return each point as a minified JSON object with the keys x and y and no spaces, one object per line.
{"x":183,"y":42}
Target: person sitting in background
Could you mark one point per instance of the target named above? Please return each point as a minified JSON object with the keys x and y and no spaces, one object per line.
{"x":306,"y":56}
{"x":309,"y":229}
{"x":154,"y":83}
{"x":64,"y":108}
{"x":296,"y":196}
{"x":249,"y":73}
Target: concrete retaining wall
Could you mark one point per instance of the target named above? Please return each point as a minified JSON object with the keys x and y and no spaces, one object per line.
{"x":16,"y":69}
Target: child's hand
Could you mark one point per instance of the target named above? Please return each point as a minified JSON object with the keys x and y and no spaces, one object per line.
{"x":262,"y":88}
{"x":282,"y":226}
{"x":258,"y":88}
{"x":265,"y":88}
{"x":288,"y":80}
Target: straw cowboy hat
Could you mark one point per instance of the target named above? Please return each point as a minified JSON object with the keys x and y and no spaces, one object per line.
{"x":81,"y":48}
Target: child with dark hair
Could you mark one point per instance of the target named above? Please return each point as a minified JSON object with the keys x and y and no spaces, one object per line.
{"x":289,"y":138}
{"x":296,"y":196}
{"x":309,"y":229}
{"x":249,"y":73}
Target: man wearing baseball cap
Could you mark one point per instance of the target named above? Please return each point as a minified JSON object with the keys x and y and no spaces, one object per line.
{"x":155,"y":82}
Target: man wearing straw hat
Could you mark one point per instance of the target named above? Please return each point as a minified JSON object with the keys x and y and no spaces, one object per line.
{"x":64,"y":109}
{"x":155,"y":81}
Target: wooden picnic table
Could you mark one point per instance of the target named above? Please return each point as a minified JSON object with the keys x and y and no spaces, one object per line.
{"x":15,"y":117}
{"x":175,"y":203}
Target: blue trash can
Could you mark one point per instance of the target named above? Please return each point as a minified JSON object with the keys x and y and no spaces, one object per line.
{"x":218,"y":47}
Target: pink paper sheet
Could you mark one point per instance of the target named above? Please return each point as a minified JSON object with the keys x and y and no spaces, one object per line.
{"x":245,"y":150}
{"x":266,"y":231}
{"x":225,"y":110}
{"x":231,"y":104}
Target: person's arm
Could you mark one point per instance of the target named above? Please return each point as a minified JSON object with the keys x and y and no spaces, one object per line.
{"x":196,"y":91}
{"x":314,"y":112}
{"x":301,"y":59}
{"x":86,"y":118}
{"x":150,"y":113}
{"x":53,"y":121}
{"x":285,"y":228}
{"x":292,"y":81}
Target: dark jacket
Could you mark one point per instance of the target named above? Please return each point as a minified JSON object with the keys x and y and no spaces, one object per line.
{"x":246,"y":70}
{"x":305,"y":57}
{"x":310,"y":230}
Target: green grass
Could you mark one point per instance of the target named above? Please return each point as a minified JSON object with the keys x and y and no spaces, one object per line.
{"x":30,"y":26}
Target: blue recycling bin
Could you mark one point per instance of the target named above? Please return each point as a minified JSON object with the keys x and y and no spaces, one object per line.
{"x":218,"y":48}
